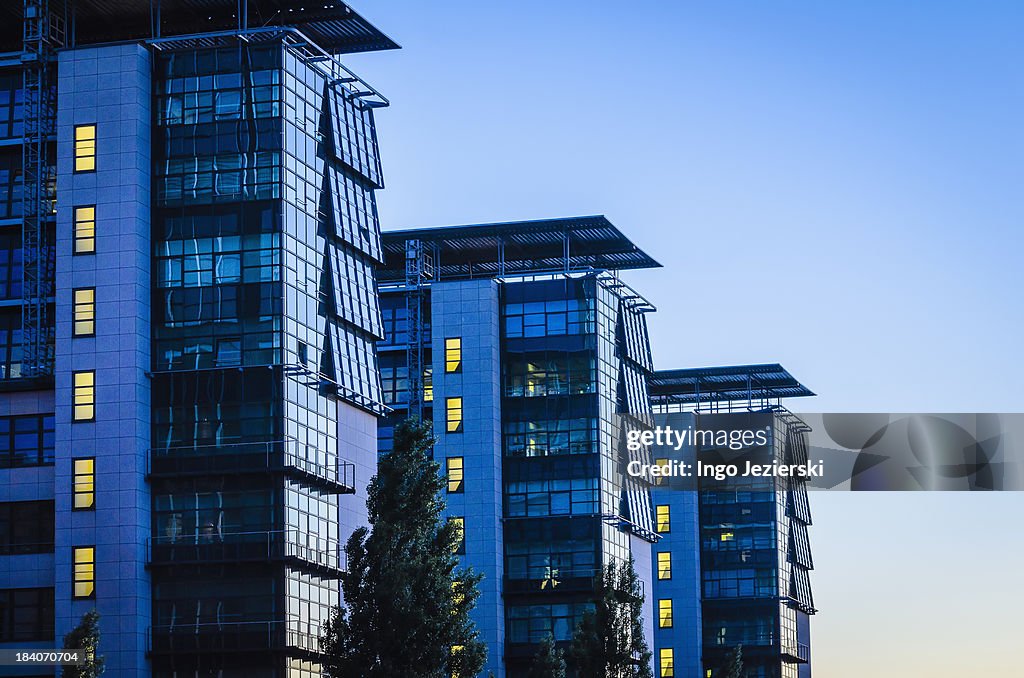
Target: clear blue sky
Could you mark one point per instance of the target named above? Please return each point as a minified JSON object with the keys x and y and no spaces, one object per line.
{"x":836,"y":186}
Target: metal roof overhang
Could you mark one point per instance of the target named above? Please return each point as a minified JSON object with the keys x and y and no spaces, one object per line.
{"x":332,"y":25}
{"x":734,"y":382}
{"x":520,"y":247}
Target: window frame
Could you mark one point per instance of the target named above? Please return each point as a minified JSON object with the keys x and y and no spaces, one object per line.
{"x":453,"y":422}
{"x":83,"y":307}
{"x":80,"y":390}
{"x":664,"y":565}
{"x":666,"y":614}
{"x":452,"y":355}
{"x":662,"y":523}
{"x":82,"y":147}
{"x":76,"y":475}
{"x":83,"y":571}
{"x":78,"y":225}
{"x":666,"y":663}
{"x":455,"y":476}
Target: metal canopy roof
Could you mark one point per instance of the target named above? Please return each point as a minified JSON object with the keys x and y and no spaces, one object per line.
{"x":332,"y":24}
{"x":516,"y":248}
{"x":735,"y":382}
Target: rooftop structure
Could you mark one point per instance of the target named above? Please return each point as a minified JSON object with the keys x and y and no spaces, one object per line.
{"x":562,"y":245}
{"x":332,"y":25}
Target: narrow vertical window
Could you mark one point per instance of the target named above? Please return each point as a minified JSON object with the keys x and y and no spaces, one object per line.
{"x":460,"y":532}
{"x":453,"y":354}
{"x":665,"y":613}
{"x":663,"y":522}
{"x":666,"y":664}
{"x":84,"y":484}
{"x":428,"y":385}
{"x":85,"y":230}
{"x":453,"y":414}
{"x":84,"y":571}
{"x":85,"y":148}
{"x":661,"y":463}
{"x":84,"y":310}
{"x":665,"y":565}
{"x":455,"y":652}
{"x":84,"y":396}
{"x":454,"y":467}
{"x":458,"y":595}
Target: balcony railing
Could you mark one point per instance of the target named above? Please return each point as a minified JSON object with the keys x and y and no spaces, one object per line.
{"x":288,"y":456}
{"x":234,"y":636}
{"x":558,"y":580}
{"x":325,"y":556}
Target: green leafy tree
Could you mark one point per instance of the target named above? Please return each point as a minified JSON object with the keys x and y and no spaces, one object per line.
{"x":85,"y":637}
{"x":406,"y":605}
{"x":732,"y":665}
{"x":609,"y":641}
{"x":549,"y":662}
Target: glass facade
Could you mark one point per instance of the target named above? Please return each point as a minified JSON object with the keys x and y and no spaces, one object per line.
{"x":265,"y":241}
{"x":755,"y":558}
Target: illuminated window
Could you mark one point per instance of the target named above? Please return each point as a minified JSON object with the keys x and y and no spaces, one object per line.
{"x":428,"y":385}
{"x":453,"y":414}
{"x":664,"y":565}
{"x":453,"y":354}
{"x":660,"y":480}
{"x":460,"y":531}
{"x":666,"y":664}
{"x":458,"y":596}
{"x":85,"y":571}
{"x":728,"y":536}
{"x":85,"y":230}
{"x":84,"y":484}
{"x":85,"y":148}
{"x":665,"y":613}
{"x":84,"y":311}
{"x":663,"y":524}
{"x":84,"y":394}
{"x":456,"y":650}
{"x":454,"y":468}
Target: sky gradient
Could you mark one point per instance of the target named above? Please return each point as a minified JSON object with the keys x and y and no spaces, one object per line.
{"x":833,"y":186}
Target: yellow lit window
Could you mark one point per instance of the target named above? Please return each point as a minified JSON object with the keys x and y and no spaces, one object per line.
{"x":663,"y":524}
{"x":460,"y":532}
{"x":428,"y":385}
{"x":664,"y":565}
{"x":85,"y":230}
{"x":453,"y":414}
{"x":453,"y":354}
{"x":84,"y":484}
{"x":728,"y":536}
{"x":454,"y":468}
{"x":456,"y":650}
{"x":84,"y":312}
{"x":85,"y":571}
{"x":666,"y":664}
{"x":85,"y":148}
{"x":458,"y":596}
{"x":84,"y":394}
{"x":665,"y":613}
{"x":660,"y":480}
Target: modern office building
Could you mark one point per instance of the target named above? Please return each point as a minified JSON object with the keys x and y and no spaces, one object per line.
{"x":733,"y":565}
{"x":188,"y":390}
{"x":522,"y":345}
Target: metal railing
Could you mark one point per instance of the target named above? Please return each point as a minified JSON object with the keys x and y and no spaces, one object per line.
{"x":210,"y":547}
{"x":557,"y":579}
{"x":257,"y":456}
{"x":234,"y":636}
